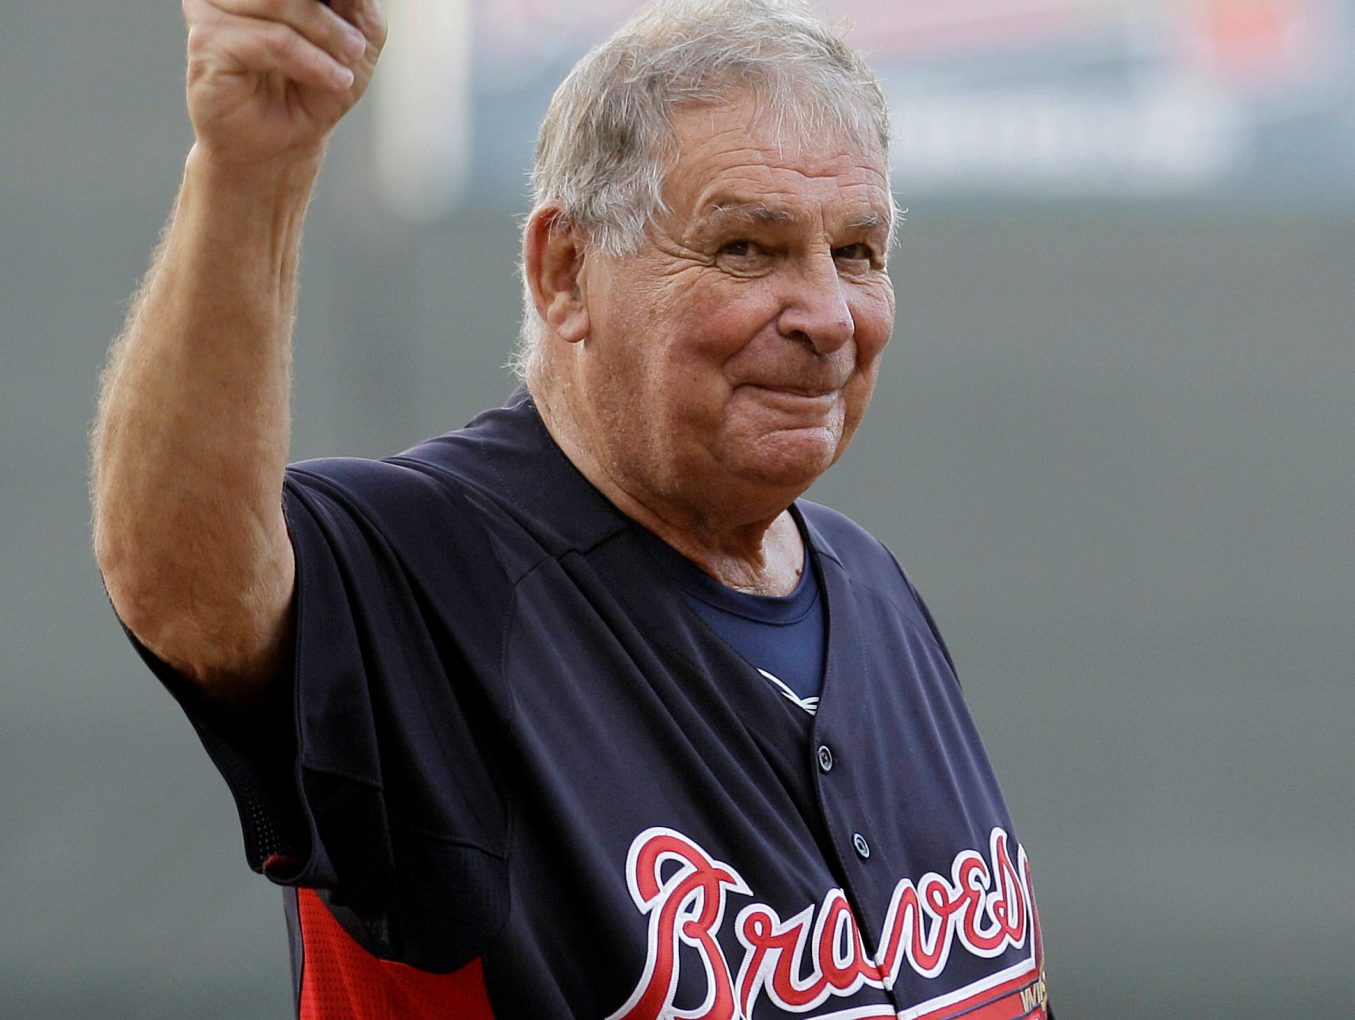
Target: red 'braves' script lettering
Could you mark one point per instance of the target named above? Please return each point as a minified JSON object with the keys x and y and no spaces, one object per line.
{"x":688,"y":905}
{"x":799,"y":963}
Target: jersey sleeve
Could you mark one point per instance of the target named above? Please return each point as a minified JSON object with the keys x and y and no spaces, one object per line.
{"x":377,"y":761}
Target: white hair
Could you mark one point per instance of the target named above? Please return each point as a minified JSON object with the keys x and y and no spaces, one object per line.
{"x":607,"y":141}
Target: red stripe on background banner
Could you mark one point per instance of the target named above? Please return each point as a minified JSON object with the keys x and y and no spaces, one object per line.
{"x":342,"y":981}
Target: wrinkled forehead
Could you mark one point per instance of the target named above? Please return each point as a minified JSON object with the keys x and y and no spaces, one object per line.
{"x":794,"y":120}
{"x":770,"y":158}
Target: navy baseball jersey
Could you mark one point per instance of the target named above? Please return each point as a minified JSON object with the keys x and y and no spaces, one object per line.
{"x":514,"y":774}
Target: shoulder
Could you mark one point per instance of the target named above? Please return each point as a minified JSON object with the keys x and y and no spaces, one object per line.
{"x":868,"y":566}
{"x":394,"y":494}
{"x":500,"y":482}
{"x":446,"y":472}
{"x":864,"y":558}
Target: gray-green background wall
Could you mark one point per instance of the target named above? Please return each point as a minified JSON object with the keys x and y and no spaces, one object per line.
{"x":1112,"y":444}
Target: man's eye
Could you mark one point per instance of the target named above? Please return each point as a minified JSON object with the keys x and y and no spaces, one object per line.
{"x":737,"y":249}
{"x":855,"y":253}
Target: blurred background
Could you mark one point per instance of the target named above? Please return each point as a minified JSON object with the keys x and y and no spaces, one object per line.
{"x":1114,"y":445}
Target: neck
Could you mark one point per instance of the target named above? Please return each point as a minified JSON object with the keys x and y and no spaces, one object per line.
{"x":763,"y":559}
{"x":760,"y":554}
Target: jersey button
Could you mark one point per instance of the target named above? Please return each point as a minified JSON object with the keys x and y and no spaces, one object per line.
{"x":825,"y":758}
{"x":862,"y":847}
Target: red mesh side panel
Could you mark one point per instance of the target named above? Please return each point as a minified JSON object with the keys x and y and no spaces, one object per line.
{"x":342,"y":981}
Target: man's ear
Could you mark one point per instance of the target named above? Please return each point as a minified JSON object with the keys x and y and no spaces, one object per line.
{"x":552,"y":259}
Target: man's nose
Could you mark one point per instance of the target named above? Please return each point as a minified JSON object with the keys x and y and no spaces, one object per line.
{"x":815,"y":307}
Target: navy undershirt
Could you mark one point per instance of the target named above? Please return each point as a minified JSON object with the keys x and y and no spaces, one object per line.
{"x":782,"y":637}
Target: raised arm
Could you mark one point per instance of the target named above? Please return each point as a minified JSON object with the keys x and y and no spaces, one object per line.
{"x":192,"y":430}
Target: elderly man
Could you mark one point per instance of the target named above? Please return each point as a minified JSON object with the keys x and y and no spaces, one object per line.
{"x":577,"y":711}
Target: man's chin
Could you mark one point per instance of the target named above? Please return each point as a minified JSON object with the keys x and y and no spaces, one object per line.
{"x":791,"y":459}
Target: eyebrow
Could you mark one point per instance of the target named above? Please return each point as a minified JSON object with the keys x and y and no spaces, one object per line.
{"x":727,"y":211}
{"x":722,"y":211}
{"x":869,"y":223}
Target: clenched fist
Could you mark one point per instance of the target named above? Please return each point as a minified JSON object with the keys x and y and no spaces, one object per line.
{"x":269,"y":79}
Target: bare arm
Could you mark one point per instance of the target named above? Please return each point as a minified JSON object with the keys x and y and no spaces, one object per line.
{"x":191,"y":437}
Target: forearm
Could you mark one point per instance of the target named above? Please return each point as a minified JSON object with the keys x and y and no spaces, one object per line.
{"x":192,"y":434}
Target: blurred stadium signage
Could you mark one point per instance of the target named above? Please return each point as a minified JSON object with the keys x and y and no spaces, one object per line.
{"x":1218,"y":100}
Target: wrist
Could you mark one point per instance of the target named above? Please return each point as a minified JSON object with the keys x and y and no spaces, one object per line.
{"x":256,"y":207}
{"x":287,"y":178}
